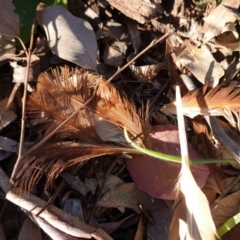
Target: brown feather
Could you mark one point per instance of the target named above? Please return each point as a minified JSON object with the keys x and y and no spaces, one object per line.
{"x":58,"y":95}
{"x":218,"y":101}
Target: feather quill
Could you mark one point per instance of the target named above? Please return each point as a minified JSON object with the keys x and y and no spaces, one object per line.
{"x":58,"y":95}
{"x":218,"y":101}
{"x":191,"y":206}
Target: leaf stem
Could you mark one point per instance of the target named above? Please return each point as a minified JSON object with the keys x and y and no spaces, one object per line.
{"x":172,"y":158}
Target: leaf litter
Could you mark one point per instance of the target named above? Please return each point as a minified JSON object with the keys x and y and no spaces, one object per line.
{"x":95,"y":111}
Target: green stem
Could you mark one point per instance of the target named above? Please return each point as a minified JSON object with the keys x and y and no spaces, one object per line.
{"x":173,"y":158}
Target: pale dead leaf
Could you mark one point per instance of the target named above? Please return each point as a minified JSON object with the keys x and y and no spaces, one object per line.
{"x":137,"y":10}
{"x":200,"y":63}
{"x":225,"y":208}
{"x":213,"y":28}
{"x":134,"y":33}
{"x":69,"y":37}
{"x":28,"y":230}
{"x":7,"y":48}
{"x":128,"y":195}
{"x":113,"y":56}
{"x":10,"y":23}
{"x":111,"y":182}
{"x":145,"y":73}
{"x":6,"y":115}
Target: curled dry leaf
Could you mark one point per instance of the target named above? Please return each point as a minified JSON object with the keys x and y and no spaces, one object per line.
{"x":10,"y":22}
{"x":200,"y":62}
{"x":145,"y":73}
{"x":69,"y":37}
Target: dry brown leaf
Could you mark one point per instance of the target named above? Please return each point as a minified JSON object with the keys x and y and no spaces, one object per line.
{"x":113,"y":54}
{"x":224,"y":13}
{"x":7,"y":49}
{"x":6,"y":115}
{"x":28,"y":230}
{"x":69,"y":37}
{"x":128,"y":195}
{"x":138,"y":10}
{"x":10,"y":22}
{"x":225,"y":208}
{"x":134,"y":33}
{"x":200,"y":62}
{"x":145,"y":73}
{"x":218,"y":101}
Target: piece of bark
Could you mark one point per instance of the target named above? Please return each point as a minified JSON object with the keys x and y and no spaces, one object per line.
{"x":139,"y":10}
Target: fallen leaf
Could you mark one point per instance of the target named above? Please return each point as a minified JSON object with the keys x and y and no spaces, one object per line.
{"x":75,"y":183}
{"x":134,"y":33}
{"x":6,"y":115}
{"x":7,"y":48}
{"x":225,"y":208}
{"x":224,"y":15}
{"x":156,"y":177}
{"x":28,"y":230}
{"x":73,"y":206}
{"x":145,"y":73}
{"x":10,"y":23}
{"x":161,"y":219}
{"x":111,"y":182}
{"x":113,"y":54}
{"x":138,"y":10}
{"x":200,"y":62}
{"x":69,"y":37}
{"x":128,"y":195}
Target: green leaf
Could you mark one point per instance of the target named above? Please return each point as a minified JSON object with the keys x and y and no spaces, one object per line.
{"x":27,"y":12}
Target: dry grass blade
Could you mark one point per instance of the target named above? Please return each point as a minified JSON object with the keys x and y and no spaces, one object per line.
{"x":196,"y":222}
{"x":57,"y":97}
{"x":218,"y":101}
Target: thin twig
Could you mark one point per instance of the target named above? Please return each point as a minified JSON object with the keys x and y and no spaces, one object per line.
{"x":21,"y":142}
{"x":153,"y":43}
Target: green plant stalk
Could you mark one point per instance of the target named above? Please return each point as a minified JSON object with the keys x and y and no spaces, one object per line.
{"x":229,"y":224}
{"x":173,"y":158}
